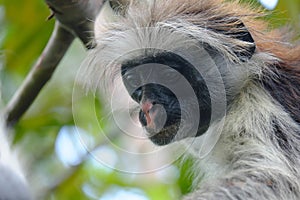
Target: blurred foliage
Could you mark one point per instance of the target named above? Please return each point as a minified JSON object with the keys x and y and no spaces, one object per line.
{"x":24,"y":32}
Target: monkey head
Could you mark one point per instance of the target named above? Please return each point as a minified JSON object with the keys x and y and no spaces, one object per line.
{"x":181,"y":68}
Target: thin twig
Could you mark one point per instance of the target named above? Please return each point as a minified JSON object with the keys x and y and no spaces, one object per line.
{"x":40,"y":74}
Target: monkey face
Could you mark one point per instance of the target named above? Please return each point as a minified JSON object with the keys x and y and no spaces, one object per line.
{"x":180,"y":66}
{"x":158,"y":84}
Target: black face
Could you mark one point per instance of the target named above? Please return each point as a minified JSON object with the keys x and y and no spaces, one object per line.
{"x":151,"y":81}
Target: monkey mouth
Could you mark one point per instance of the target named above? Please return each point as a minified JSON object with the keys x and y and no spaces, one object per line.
{"x":160,"y":130}
{"x":164,"y":136}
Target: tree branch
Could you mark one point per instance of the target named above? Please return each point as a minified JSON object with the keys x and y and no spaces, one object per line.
{"x":40,"y":74}
{"x":75,"y":18}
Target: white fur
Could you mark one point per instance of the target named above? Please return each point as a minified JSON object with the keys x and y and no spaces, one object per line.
{"x":246,"y":147}
{"x":13,"y":184}
{"x":246,"y":162}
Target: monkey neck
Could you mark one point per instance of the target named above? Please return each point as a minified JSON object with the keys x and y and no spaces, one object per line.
{"x":250,"y":132}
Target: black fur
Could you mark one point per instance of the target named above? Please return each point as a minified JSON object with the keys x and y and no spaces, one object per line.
{"x":159,"y":94}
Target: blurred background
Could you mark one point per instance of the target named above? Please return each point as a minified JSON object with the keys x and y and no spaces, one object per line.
{"x":58,"y":138}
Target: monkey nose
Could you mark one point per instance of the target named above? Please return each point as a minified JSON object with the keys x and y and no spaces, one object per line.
{"x":146,"y":107}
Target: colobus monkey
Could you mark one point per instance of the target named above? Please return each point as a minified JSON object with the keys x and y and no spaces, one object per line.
{"x":13,"y":184}
{"x":213,"y":75}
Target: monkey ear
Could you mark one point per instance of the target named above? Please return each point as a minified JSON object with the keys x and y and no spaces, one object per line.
{"x":119,"y":6}
{"x":236,"y":29}
{"x":244,"y":35}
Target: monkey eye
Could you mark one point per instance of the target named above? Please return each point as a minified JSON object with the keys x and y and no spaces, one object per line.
{"x":132,"y":80}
